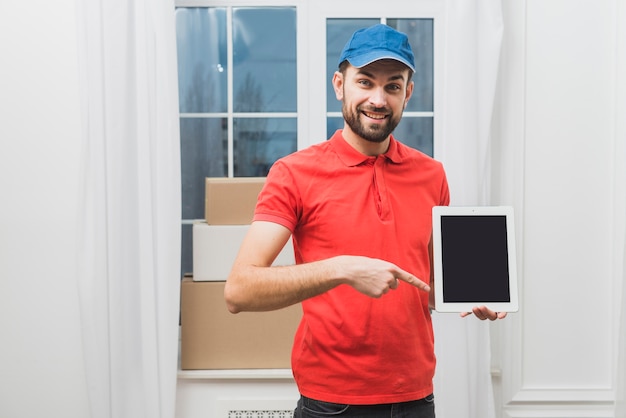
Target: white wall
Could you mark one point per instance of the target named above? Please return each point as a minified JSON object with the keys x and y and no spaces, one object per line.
{"x":41,"y":372}
{"x":557,"y":136}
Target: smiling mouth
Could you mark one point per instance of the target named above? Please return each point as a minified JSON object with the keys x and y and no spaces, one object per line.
{"x":376,"y":116}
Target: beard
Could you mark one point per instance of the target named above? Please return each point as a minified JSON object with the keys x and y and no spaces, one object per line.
{"x":371,"y":132}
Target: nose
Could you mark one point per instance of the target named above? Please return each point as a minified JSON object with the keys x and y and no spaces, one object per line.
{"x":378,"y":98}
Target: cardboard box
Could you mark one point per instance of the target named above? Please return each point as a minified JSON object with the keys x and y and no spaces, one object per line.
{"x":215,"y":248}
{"x":231,"y":201}
{"x":213,"y":338}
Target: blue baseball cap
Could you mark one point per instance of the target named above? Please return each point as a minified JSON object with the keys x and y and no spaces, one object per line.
{"x":376,"y":43}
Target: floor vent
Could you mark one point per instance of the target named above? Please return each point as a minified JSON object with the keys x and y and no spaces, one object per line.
{"x":260,"y":414}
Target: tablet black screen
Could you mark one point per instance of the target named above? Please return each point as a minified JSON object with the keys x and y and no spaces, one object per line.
{"x":475,"y":258}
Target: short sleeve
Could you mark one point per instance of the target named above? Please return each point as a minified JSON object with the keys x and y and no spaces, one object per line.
{"x":279,"y":201}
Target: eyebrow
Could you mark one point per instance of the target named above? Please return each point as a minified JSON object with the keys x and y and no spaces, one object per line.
{"x":370,"y":75}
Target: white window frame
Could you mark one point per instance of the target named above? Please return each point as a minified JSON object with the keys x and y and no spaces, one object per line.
{"x":390,"y":9}
{"x":311,"y":53}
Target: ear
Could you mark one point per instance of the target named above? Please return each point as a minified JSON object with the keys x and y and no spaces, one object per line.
{"x":338,"y":85}
{"x":409,"y":93}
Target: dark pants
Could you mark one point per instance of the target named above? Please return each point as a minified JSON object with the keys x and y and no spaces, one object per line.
{"x":310,"y":408}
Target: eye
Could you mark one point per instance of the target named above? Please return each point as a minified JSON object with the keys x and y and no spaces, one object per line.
{"x":364,"y":82}
{"x":394,"y":87}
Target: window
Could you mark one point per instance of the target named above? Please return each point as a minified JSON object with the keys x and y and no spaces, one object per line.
{"x":254,"y":83}
{"x":237,"y":88}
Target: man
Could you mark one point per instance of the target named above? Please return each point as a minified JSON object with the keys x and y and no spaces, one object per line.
{"x":359,"y":209}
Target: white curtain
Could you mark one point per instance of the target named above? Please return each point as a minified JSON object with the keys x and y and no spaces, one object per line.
{"x":620,"y":383}
{"x":473,"y":36}
{"x":620,"y":209}
{"x":129,"y":256}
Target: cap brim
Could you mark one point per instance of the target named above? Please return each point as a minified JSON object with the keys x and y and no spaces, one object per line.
{"x":370,"y":57}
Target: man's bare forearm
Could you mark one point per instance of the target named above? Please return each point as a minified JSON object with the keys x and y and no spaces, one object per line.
{"x":254,"y":288}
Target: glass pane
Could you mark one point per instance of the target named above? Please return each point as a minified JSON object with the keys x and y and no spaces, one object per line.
{"x":420,"y":33}
{"x":264,"y":59}
{"x":417,"y":133}
{"x":204,"y":153}
{"x":201,"y":44}
{"x":332,"y":124}
{"x":338,"y":32}
{"x":259,"y":142}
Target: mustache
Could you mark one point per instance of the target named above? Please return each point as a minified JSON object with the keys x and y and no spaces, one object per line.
{"x":374,"y":109}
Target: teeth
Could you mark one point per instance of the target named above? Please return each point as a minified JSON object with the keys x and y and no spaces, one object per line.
{"x":374,"y":116}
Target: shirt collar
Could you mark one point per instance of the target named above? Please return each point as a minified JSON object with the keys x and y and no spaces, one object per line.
{"x":351,"y":157}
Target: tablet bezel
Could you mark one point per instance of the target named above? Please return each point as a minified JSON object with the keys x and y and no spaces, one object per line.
{"x":438,"y":213}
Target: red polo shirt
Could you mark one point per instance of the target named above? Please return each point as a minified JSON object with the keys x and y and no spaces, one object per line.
{"x":351,"y":348}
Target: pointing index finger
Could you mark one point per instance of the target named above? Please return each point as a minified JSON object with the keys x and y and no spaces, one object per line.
{"x":412,"y":280}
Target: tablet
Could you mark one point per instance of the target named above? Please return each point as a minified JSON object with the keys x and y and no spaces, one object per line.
{"x":474,"y":258}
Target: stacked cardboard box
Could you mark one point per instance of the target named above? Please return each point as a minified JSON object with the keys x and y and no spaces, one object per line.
{"x":231,"y":201}
{"x":216,"y":246}
{"x":212,"y":337}
{"x":229,"y":207}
